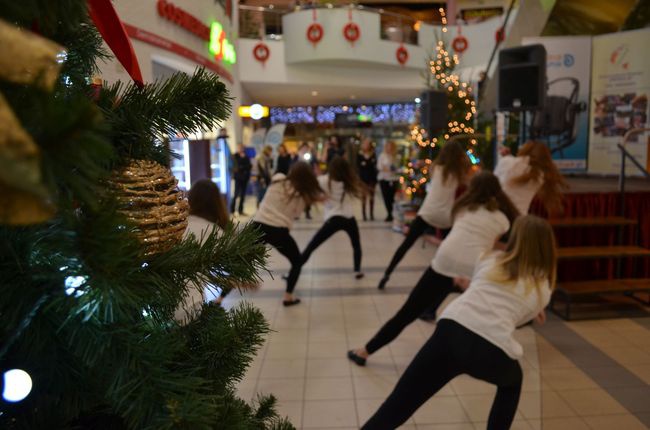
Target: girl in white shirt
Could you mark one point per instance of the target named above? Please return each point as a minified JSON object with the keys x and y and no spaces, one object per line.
{"x":451,"y":168}
{"x":474,"y":335}
{"x":207,"y":213}
{"x":481,"y":216}
{"x":531,"y":173}
{"x":284,"y":201}
{"x":341,"y":185}
{"x":387,"y":176}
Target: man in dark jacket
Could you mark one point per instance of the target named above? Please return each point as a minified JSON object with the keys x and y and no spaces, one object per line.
{"x":241,"y":173}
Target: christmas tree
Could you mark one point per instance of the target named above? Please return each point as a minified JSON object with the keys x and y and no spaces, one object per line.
{"x":90,"y":283}
{"x":461,"y":113}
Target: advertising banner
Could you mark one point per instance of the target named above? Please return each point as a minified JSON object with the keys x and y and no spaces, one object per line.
{"x":619,"y":99}
{"x":568,"y":68}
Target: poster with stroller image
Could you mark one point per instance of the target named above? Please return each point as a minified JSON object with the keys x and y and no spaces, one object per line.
{"x":619,"y":100}
{"x":564,"y":121}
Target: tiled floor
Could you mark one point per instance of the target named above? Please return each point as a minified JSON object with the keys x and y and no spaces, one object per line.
{"x":577,"y":375}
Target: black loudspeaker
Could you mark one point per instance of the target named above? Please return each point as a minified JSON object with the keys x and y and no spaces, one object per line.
{"x":433,"y":111}
{"x":522,"y":78}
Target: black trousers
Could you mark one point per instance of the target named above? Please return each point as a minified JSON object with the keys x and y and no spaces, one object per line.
{"x":331,"y":226}
{"x":431,"y":290}
{"x":388,"y":193}
{"x":451,"y":351}
{"x":240,"y":192}
{"x":280,"y":239}
{"x":416,"y":229}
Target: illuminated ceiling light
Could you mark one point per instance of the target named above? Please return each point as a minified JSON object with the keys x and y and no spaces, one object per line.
{"x":314,"y":93}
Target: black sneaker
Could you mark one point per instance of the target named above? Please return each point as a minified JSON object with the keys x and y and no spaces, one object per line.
{"x":360,"y":361}
{"x":382,"y":283}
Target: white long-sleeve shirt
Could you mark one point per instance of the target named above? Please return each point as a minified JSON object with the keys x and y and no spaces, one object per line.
{"x":437,"y":205}
{"x":494,"y":310}
{"x":279,"y":208}
{"x":337,"y":202}
{"x":522,"y":195}
{"x":386,"y":168}
{"x":473,"y":233}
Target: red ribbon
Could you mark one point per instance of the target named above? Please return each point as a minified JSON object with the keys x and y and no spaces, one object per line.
{"x":110,"y":27}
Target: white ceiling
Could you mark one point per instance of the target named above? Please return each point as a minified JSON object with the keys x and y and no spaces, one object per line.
{"x":275,"y":94}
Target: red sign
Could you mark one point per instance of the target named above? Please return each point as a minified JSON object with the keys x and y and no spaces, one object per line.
{"x":161,"y":42}
{"x":183,"y":19}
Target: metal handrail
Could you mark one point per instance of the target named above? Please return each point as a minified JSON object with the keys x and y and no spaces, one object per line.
{"x":624,"y":155}
{"x":332,"y":6}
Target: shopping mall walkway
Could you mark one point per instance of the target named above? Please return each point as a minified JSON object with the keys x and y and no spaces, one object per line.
{"x":578,"y":375}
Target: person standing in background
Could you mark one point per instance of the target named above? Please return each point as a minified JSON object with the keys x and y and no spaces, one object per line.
{"x":334,"y":148}
{"x":264,"y":165}
{"x":387,"y":176}
{"x":305,"y":154}
{"x":367,"y":167}
{"x":241,"y":173}
{"x":284,"y":160}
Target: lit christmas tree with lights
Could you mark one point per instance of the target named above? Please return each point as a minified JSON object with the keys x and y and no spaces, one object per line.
{"x":461,"y":113}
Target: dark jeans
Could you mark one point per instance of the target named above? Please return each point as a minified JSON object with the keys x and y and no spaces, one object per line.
{"x":452,"y":350}
{"x":280,"y":239}
{"x":431,"y":290}
{"x":416,"y":229}
{"x":240,"y":191}
{"x":331,"y":226}
{"x":388,"y":193}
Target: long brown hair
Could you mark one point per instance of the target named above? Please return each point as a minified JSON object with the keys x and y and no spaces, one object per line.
{"x":206,"y":202}
{"x":530,"y":253}
{"x":340,"y":170}
{"x":454,"y":161}
{"x":302,"y":179}
{"x":484,"y":190}
{"x":542,"y":166}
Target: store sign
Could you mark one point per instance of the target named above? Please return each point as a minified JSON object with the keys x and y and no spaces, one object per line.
{"x":218,"y":46}
{"x":221,"y":47}
{"x":255,"y":111}
{"x":183,"y":19}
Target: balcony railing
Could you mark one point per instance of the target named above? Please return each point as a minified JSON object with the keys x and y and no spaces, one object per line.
{"x":256,"y":22}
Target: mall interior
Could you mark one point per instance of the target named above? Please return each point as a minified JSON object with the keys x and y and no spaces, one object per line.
{"x":325,"y":214}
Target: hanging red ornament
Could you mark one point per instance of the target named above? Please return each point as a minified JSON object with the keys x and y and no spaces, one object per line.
{"x":351,"y":31}
{"x":402,"y":55}
{"x":460,"y":44}
{"x":261,"y":52}
{"x":500,"y":35}
{"x":314,"y":31}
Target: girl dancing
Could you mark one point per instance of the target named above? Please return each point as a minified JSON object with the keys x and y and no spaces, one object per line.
{"x":451,"y":168}
{"x":341,"y":185}
{"x":482,"y":215}
{"x":474,"y":335}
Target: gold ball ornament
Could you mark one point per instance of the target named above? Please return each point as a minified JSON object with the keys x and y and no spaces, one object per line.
{"x":150,"y":199}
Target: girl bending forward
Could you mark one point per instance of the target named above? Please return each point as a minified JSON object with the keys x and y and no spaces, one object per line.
{"x":284,"y":201}
{"x":475,"y":333}
{"x":341,"y":185}
{"x":481,"y":216}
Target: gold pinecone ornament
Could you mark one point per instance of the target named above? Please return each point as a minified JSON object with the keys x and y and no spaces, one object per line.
{"x":150,"y":199}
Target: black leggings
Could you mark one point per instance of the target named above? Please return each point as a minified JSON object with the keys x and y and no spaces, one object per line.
{"x":452,"y":350}
{"x":240,"y":191}
{"x":416,"y":229}
{"x":430,"y":291}
{"x":280,"y":239}
{"x":388,"y":193}
{"x":331,"y":226}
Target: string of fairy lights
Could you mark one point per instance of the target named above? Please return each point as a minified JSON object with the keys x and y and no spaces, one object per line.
{"x":439,"y":66}
{"x":451,"y":83}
